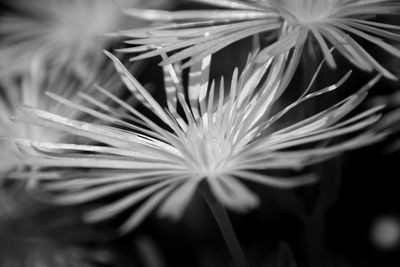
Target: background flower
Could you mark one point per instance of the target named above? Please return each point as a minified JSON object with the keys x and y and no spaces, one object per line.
{"x":31,"y":89}
{"x":198,"y":33}
{"x":337,"y":22}
{"x":66,"y":32}
{"x":34,"y":234}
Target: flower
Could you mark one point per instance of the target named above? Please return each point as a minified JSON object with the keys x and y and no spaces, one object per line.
{"x":68,"y":32}
{"x":35,"y":234}
{"x":205,"y":134}
{"x":334,"y":22}
{"x":30,"y":89}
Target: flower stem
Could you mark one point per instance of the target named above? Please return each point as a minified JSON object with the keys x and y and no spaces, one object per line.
{"x":225,"y":226}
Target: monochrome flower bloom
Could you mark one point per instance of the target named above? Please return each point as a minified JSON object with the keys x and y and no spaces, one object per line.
{"x":328,"y":22}
{"x":335,"y":22}
{"x":218,"y":135}
{"x":66,"y":32}
{"x":30,"y":90}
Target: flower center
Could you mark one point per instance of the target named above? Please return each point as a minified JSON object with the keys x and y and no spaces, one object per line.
{"x":209,"y":149}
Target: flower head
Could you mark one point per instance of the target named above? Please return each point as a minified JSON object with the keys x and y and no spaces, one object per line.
{"x":328,"y":22}
{"x":336,"y":22}
{"x":68,"y":32}
{"x":205,"y":133}
{"x":30,"y":89}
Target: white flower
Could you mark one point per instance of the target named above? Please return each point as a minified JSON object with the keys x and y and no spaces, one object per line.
{"x":335,"y":22}
{"x":221,"y":136}
{"x":68,"y":32}
{"x":29,"y":90}
{"x":328,"y":22}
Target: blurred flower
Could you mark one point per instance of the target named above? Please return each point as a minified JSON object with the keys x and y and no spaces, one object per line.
{"x":223,"y":136}
{"x":43,"y":253}
{"x":31,"y":234}
{"x":199,"y":33}
{"x":30,"y":89}
{"x":66,"y":32}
